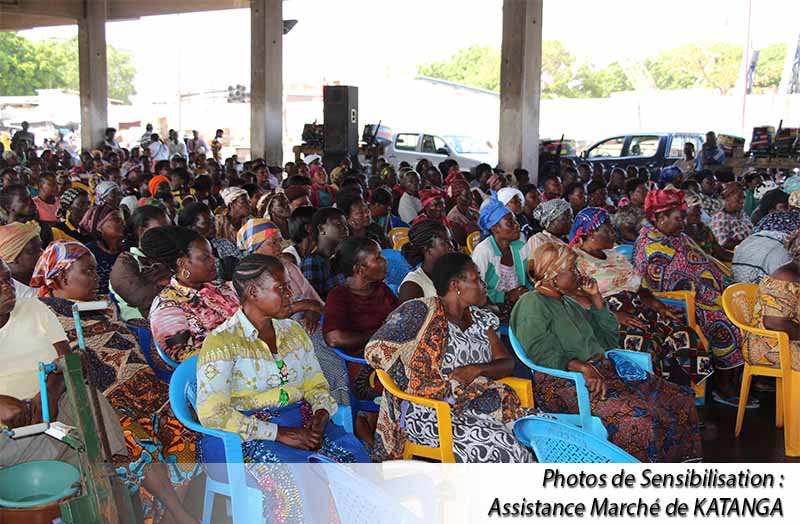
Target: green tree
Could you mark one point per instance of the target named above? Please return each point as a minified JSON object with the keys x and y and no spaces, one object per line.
{"x":26,"y":66}
{"x":477,"y":66}
{"x":600,"y":83}
{"x":770,"y":67}
{"x":715,"y":66}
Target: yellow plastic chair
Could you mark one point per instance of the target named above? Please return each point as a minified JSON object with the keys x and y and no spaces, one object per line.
{"x":444,"y":453}
{"x":685,"y":299}
{"x":738,"y":301}
{"x":473,"y":239}
{"x":397,"y":232}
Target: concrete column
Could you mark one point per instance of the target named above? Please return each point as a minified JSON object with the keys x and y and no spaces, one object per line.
{"x":520,"y":85}
{"x":93,"y":72}
{"x":266,"y":80}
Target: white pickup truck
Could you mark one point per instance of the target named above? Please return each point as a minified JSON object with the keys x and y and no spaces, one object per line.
{"x":468,"y":151}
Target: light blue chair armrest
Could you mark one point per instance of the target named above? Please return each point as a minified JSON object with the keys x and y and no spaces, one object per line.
{"x":641,"y":359}
{"x":585,"y":419}
{"x":161,"y":353}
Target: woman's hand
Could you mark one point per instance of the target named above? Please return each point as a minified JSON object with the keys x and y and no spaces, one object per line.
{"x":298,"y":438}
{"x":318,"y":423}
{"x":465,"y":374}
{"x":663,"y":309}
{"x":310,"y":321}
{"x":306,"y":306}
{"x":628,"y":320}
{"x":14,"y":413}
{"x":595,"y":382}
{"x":589,"y":286}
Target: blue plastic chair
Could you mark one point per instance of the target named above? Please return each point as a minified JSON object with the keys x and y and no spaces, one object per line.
{"x":584,"y":418}
{"x":246,"y":501}
{"x":397,"y":268}
{"x":625,"y":249}
{"x":356,"y":404}
{"x":146,"y":341}
{"x":556,"y":441}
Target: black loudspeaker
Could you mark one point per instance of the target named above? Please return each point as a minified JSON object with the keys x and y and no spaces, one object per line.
{"x":341,"y":120}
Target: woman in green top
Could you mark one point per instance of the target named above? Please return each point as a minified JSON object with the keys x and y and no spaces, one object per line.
{"x":652,"y":419}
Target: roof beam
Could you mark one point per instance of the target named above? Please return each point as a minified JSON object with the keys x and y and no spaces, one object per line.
{"x":61,"y":9}
{"x":128,"y":9}
{"x":19,"y":22}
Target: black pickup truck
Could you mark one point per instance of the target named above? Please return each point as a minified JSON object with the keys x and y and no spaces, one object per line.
{"x":652,"y":150}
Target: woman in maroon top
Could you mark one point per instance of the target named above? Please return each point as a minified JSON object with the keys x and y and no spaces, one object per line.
{"x":355,"y":310}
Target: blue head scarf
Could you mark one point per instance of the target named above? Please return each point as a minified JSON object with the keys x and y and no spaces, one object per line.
{"x":668,"y":175}
{"x":588,"y":220}
{"x":492,"y":212}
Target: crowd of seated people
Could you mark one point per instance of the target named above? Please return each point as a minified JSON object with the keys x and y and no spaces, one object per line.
{"x":260,"y":271}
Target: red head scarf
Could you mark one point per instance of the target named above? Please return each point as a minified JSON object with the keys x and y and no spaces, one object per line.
{"x":662,"y":200}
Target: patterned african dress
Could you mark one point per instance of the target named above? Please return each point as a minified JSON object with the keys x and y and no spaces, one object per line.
{"x":785,"y":221}
{"x":181,"y":317}
{"x":418,"y":348}
{"x":677,"y":352}
{"x":703,"y":237}
{"x":731,"y":227}
{"x":652,"y":419}
{"x":244,"y":388}
{"x":152,"y":433}
{"x":776,"y":298}
{"x":675,"y":263}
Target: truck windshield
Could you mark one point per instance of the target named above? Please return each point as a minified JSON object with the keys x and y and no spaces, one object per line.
{"x":467,"y":144}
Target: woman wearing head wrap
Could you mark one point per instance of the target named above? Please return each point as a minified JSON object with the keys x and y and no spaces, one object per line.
{"x":646,"y":323}
{"x":463,"y":217}
{"x":432,"y":206}
{"x":277,"y":211}
{"x":73,"y":205}
{"x":20,"y":248}
{"x":105,"y":225}
{"x":731,"y":225}
{"x":555,"y":216}
{"x":260,"y":236}
{"x":650,"y":418}
{"x":697,"y":229}
{"x":427,"y":242}
{"x":67,"y":273}
{"x":193,"y":303}
{"x":501,"y":257}
{"x":235,"y":213}
{"x":667,"y":259}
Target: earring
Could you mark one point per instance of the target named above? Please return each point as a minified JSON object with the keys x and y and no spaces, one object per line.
{"x":458,"y":292}
{"x":185,"y":274}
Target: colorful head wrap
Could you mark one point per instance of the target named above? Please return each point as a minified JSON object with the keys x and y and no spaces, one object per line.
{"x":453,"y":174}
{"x":430,"y":195}
{"x":94,"y":219}
{"x":229,"y":194}
{"x":549,"y":211}
{"x":791,"y":184}
{"x":104,"y":189}
{"x":58,"y":257}
{"x":492,"y":212}
{"x":14,"y":237}
{"x":254,"y":233}
{"x":336,"y":175}
{"x":67,"y":199}
{"x":386,"y":173}
{"x":661,"y":200}
{"x":267,"y":201}
{"x":507,"y":194}
{"x":669,"y":174}
{"x":587,"y":220}
{"x":794,"y":199}
{"x":548,"y":261}
{"x":156,"y":181}
{"x":313,"y":169}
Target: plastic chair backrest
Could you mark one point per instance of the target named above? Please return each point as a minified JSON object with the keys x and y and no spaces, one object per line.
{"x":163,"y":354}
{"x":396,"y":232}
{"x":584,"y":407}
{"x":473,"y":239}
{"x":554,"y":441}
{"x":399,"y":242}
{"x":738,"y":301}
{"x":397,"y":268}
{"x":626,"y":250}
{"x":145,"y":338}
{"x":359,"y":500}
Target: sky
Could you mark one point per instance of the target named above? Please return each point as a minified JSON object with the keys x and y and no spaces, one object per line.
{"x":366,"y":42}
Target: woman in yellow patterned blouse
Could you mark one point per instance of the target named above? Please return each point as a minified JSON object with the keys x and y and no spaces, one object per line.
{"x":778,"y":308}
{"x":258,"y":376}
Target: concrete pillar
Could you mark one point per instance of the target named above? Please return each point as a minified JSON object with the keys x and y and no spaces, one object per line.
{"x":93,"y":72}
{"x":520,"y":85}
{"x":266,"y":80}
